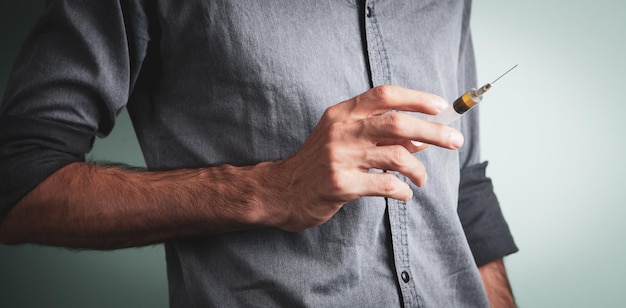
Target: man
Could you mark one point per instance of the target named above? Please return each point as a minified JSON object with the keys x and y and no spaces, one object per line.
{"x":265,"y":189}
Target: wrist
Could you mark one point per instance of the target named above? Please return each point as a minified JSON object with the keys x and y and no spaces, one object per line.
{"x":266,"y":199}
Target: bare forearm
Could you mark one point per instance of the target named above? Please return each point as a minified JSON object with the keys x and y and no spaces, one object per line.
{"x":102,"y":207}
{"x":497,"y":285}
{"x":90,"y":206}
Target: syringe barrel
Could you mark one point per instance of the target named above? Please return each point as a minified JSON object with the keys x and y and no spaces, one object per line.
{"x":460,"y":106}
{"x":467,"y":101}
{"x":446,"y":116}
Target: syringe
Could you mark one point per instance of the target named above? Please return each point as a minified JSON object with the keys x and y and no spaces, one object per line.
{"x":467,"y":101}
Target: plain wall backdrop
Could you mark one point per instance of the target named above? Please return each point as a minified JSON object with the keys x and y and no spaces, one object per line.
{"x":551,"y":130}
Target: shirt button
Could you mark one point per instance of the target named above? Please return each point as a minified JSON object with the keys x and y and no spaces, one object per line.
{"x":405,"y":277}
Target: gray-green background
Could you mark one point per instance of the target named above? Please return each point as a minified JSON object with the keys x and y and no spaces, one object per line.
{"x":552,"y":131}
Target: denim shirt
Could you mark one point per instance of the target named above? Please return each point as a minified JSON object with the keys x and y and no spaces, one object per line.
{"x":240,"y":82}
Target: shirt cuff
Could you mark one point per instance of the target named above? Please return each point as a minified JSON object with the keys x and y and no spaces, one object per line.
{"x":485,"y":228}
{"x":31,"y":149}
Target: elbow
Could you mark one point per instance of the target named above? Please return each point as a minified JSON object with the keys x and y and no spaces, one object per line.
{"x":6,"y":239}
{"x":7,"y":236}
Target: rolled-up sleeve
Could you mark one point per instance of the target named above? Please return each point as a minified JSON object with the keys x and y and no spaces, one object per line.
{"x":74,"y":74}
{"x":486,"y":229}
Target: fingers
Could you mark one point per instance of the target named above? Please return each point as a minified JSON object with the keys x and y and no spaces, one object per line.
{"x":360,"y":184}
{"x":387,"y":185}
{"x":397,"y":158}
{"x":373,"y":106}
{"x":400,"y":126}
{"x":382,"y":99}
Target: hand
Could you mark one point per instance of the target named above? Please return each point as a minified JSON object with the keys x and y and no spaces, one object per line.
{"x":352,"y":137}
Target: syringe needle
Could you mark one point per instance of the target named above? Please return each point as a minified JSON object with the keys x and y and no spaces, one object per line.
{"x":482,"y":90}
{"x":504,"y":74}
{"x":465,"y":102}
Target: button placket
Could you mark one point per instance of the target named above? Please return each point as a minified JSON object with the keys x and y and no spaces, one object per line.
{"x":380,"y":73}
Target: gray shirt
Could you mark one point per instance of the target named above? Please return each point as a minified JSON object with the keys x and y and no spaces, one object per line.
{"x":214,"y":82}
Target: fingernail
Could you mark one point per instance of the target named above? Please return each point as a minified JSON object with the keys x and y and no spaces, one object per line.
{"x":456,"y":139}
{"x":416,"y":143}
